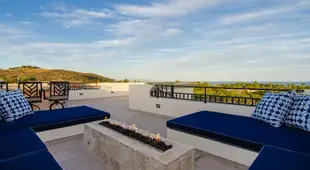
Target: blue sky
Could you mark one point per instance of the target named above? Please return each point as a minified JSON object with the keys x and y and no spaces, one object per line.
{"x":204,"y":40}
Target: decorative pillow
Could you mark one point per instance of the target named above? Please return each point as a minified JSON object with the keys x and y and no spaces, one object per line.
{"x":13,"y":105}
{"x":299,"y":115}
{"x":273,"y":108}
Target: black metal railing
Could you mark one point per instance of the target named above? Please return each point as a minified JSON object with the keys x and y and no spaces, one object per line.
{"x":4,"y":86}
{"x":82,"y":86}
{"x":171,"y":91}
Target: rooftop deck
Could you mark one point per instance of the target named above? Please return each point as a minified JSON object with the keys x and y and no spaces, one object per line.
{"x":71,"y":154}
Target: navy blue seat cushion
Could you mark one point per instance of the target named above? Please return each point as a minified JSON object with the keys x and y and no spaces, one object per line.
{"x":39,"y":160}
{"x":52,"y":119}
{"x":271,"y":158}
{"x":241,"y":131}
{"x":18,"y":142}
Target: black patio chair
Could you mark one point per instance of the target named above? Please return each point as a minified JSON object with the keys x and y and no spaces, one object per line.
{"x":32,"y":92}
{"x":4,"y":86}
{"x":58,"y":93}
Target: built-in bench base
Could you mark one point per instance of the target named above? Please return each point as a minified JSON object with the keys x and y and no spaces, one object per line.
{"x":226,"y":151}
{"x":55,"y":134}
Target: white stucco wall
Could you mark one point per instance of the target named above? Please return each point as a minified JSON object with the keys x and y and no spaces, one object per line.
{"x":107,"y":90}
{"x":94,"y":94}
{"x":140,"y":99}
{"x":117,"y":86}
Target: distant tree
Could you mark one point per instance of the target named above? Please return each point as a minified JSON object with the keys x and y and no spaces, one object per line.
{"x":126,"y":81}
{"x":255,"y":85}
{"x":178,"y":81}
{"x":206,"y":84}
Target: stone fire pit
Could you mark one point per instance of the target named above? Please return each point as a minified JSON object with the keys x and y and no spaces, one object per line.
{"x":119,"y":152}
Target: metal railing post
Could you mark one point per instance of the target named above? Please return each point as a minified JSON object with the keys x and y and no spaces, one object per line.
{"x":157,"y":91}
{"x":172,"y":91}
{"x":205,"y":90}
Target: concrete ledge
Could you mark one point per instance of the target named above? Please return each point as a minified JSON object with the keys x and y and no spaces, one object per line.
{"x":235,"y":154}
{"x":55,"y":134}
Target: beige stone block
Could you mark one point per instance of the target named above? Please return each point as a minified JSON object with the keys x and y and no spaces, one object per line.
{"x":187,"y":161}
{"x":123,"y":153}
{"x":145,"y":162}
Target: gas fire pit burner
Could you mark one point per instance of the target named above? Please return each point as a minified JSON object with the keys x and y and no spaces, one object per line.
{"x":137,"y":134}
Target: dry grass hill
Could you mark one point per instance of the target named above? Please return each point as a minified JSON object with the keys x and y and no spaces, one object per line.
{"x":33,"y":73}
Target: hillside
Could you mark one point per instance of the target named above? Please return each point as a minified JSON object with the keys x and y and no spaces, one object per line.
{"x":33,"y":73}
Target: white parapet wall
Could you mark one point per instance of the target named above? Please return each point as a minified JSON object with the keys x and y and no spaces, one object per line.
{"x":106,"y":90}
{"x":94,"y":94}
{"x":140,"y":99}
{"x":117,"y":86}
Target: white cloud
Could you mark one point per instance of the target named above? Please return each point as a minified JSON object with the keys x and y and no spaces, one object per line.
{"x":136,"y":27}
{"x":6,"y":30}
{"x":134,"y":61}
{"x":263,"y":13}
{"x":170,"y":8}
{"x":25,"y":22}
{"x":71,"y":17}
{"x":8,"y":14}
{"x":116,"y":42}
{"x":172,"y":31}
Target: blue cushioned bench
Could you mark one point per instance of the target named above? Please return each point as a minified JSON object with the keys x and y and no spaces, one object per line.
{"x":21,"y":148}
{"x":38,"y":160}
{"x":18,"y":142}
{"x":240,"y":131}
{"x":54,"y":119}
{"x":271,"y":158}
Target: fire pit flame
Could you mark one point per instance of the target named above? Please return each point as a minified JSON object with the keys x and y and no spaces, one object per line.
{"x":139,"y":134}
{"x":157,"y":138}
{"x":134,"y":127}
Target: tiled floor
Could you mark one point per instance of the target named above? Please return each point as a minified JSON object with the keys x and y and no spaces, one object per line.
{"x":71,"y":154}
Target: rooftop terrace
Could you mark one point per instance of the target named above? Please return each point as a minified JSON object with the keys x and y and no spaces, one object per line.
{"x":220,"y":129}
{"x":71,"y":154}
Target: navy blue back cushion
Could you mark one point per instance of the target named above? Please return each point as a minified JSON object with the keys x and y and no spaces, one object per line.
{"x":273,"y":108}
{"x":299,"y":115}
{"x":18,"y":142}
{"x":241,"y":131}
{"x":51,"y":119}
{"x":39,"y":160}
{"x":271,"y":158}
{"x":13,"y":105}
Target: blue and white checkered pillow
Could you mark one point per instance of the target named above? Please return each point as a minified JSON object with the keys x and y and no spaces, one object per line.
{"x":299,"y":115}
{"x":13,"y":105}
{"x":273,"y":108}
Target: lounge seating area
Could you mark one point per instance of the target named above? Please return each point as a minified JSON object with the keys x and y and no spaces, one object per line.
{"x":283,"y":147}
{"x":32,"y":152}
